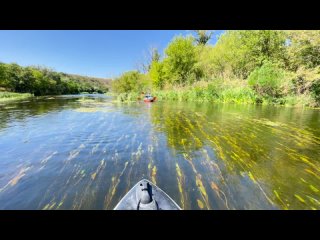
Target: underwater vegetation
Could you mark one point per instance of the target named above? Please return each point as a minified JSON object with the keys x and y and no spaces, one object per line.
{"x":204,"y":156}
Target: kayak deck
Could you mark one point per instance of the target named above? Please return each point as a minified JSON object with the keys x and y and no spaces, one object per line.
{"x":146,"y":196}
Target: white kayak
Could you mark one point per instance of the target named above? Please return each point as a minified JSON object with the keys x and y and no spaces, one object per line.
{"x":146,"y":196}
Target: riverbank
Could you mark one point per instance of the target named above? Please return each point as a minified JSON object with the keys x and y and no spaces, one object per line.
{"x":222,"y":94}
{"x":234,"y":95}
{"x":209,"y":93}
{"x":9,"y":96}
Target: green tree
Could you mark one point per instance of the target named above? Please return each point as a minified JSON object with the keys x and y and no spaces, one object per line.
{"x":15,"y":77}
{"x":180,"y":60}
{"x":131,"y":81}
{"x":27,"y":80}
{"x":155,"y":56}
{"x":226,"y":57}
{"x":240,"y":52}
{"x":157,"y":74}
{"x":43,"y":81}
{"x":203,"y":36}
{"x":303,"y":48}
{"x":260,"y":45}
{"x":3,"y":76}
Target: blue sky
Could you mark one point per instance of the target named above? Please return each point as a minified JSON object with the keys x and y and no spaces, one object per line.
{"x":101,"y":53}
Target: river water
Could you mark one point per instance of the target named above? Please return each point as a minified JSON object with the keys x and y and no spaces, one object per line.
{"x":86,"y":152}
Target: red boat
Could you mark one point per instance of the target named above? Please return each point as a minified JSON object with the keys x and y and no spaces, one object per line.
{"x":149,"y":99}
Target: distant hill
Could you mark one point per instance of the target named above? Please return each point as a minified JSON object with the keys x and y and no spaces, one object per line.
{"x":94,"y":82}
{"x":40,"y":80}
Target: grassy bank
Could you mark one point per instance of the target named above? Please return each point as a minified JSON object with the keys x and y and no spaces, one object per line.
{"x":206,"y":92}
{"x":221,"y":92}
{"x":238,"y":95}
{"x":9,"y":96}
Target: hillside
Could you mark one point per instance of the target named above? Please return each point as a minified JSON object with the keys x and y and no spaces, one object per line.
{"x":94,"y":82}
{"x":45,"y":81}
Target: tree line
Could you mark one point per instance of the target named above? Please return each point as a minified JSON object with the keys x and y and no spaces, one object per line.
{"x":273,"y":65}
{"x":44,"y":81}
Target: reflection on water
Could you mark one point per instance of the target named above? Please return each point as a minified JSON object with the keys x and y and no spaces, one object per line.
{"x":86,"y":152}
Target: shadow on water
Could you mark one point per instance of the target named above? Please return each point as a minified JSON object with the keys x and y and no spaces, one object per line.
{"x":86,"y":152}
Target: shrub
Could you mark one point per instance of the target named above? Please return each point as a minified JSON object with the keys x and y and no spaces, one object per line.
{"x":132,"y":81}
{"x":315,"y":89}
{"x":267,"y":80}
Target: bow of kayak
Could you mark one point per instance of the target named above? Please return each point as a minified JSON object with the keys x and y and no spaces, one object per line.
{"x":146,"y":196}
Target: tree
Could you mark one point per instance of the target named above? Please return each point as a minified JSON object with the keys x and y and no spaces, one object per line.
{"x":179,"y":63}
{"x":203,"y":36}
{"x":240,"y":52}
{"x":14,"y":77}
{"x":260,"y":45}
{"x":39,"y":83}
{"x":155,"y":56}
{"x":3,"y":76}
{"x":226,"y":56}
{"x":151,"y":56}
{"x":131,"y":81}
{"x":157,"y":74}
{"x":42,"y":80}
{"x":303,"y":48}
{"x":27,"y":80}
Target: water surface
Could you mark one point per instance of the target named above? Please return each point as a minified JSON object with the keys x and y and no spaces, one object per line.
{"x":86,"y":152}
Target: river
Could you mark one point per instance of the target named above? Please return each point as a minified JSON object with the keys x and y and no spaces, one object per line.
{"x":87,"y":151}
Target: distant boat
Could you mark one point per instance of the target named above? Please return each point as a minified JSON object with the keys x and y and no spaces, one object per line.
{"x":149,"y":98}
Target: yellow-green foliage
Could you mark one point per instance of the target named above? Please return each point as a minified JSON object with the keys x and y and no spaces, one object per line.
{"x":210,"y":91}
{"x":7,"y":96}
{"x":266,"y":80}
{"x":303,"y":48}
{"x":180,"y":59}
{"x":250,"y":66}
{"x":240,"y":52}
{"x":157,"y":74}
{"x":131,"y":81}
